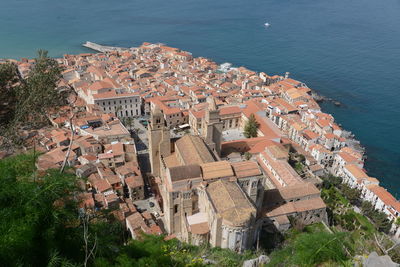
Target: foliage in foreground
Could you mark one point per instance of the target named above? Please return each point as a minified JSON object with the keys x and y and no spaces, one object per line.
{"x":40,"y":225}
{"x":312,"y":249}
{"x":30,"y":222}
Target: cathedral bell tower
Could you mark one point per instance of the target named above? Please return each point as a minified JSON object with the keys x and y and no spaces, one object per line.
{"x":212,"y":127}
{"x":159,"y":141}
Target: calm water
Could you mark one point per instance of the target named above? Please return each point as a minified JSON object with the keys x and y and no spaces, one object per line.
{"x":347,"y":50}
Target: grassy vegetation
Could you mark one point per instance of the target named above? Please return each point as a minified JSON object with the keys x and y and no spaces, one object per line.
{"x":21,"y":166}
{"x":343,"y":215}
{"x":313,"y":245}
{"x":360,"y":229}
{"x":298,"y":167}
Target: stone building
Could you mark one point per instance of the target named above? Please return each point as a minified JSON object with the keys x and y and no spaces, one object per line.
{"x":159,"y":140}
{"x":231,"y":214}
{"x":225,"y":204}
{"x":212,"y":127}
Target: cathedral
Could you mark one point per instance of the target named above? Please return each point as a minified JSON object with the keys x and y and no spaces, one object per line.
{"x":206,"y":199}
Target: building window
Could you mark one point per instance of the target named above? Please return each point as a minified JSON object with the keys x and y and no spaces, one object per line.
{"x":176,"y":208}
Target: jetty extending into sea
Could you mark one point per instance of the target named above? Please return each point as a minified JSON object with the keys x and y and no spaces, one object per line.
{"x":103,"y":48}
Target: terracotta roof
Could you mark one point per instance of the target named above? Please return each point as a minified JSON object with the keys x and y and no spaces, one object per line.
{"x":229,"y":110}
{"x":100,"y":85}
{"x":135,"y":221}
{"x":134,"y":181}
{"x":323,"y":123}
{"x":102,"y":185}
{"x":113,"y":94}
{"x":230,"y":203}
{"x":246,"y":169}
{"x":281,"y":167}
{"x":171,"y":161}
{"x":347,"y":157}
{"x":184,"y":172}
{"x":193,"y":150}
{"x":298,"y":190}
{"x":356,"y":171}
{"x":310,"y":134}
{"x":216,"y":169}
{"x":385,"y":196}
{"x":113,"y":179}
{"x":298,"y":206}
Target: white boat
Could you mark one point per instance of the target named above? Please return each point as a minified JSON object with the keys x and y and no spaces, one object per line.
{"x":267,"y":24}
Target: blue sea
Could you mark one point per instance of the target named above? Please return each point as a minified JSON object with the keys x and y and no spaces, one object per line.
{"x":346,"y":50}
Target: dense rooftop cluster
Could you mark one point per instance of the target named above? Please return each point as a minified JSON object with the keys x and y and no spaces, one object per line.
{"x":214,"y":103}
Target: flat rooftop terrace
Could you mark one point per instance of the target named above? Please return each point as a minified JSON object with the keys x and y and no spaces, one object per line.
{"x":232,"y":134}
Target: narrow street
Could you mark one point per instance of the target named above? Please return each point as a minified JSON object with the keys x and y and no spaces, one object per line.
{"x":149,"y":204}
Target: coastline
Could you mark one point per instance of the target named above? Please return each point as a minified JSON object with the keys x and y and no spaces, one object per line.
{"x":319,"y":98}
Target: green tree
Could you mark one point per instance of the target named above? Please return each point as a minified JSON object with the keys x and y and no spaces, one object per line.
{"x":26,"y":101}
{"x":381,"y":221}
{"x":39,"y":220}
{"x":247,"y":155}
{"x":352,"y":194}
{"x":379,"y":218}
{"x":367,"y":208}
{"x":38,"y":94}
{"x":331,"y":180}
{"x":8,"y":81}
{"x":251,"y":127}
{"x":30,"y":221}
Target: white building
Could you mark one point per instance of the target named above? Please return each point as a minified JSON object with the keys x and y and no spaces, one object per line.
{"x":119,"y":102}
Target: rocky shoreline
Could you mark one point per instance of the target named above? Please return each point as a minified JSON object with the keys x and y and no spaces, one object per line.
{"x":320,"y":99}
